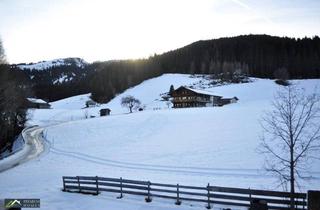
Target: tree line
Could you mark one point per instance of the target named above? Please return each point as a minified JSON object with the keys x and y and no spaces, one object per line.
{"x":252,"y":55}
{"x":13,"y":104}
{"x":225,"y":58}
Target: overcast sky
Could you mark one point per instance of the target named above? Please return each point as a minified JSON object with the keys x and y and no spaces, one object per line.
{"x":35,"y":30}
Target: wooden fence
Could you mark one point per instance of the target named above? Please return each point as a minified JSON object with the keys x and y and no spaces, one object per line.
{"x":209,"y":195}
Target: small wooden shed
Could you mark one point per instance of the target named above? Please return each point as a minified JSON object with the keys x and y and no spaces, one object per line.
{"x":105,"y":112}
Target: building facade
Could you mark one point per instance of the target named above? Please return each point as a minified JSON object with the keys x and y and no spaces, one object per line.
{"x":188,"y":97}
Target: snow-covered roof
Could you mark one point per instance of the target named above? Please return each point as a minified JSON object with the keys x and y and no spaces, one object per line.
{"x":36,"y":100}
{"x":204,"y":92}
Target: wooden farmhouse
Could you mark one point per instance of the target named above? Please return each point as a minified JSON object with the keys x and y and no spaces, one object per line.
{"x":188,"y":97}
{"x":37,"y":103}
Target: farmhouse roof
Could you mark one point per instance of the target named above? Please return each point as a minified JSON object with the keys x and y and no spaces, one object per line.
{"x":36,"y":100}
{"x":203,"y":92}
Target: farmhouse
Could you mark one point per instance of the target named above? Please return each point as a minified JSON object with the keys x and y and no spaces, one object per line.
{"x":37,"y":103}
{"x":189,"y":97}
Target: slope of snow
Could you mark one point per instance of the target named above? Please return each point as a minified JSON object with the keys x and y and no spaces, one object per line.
{"x":75,"y":102}
{"x":149,"y":92}
{"x":194,"y":146}
{"x":52,"y":63}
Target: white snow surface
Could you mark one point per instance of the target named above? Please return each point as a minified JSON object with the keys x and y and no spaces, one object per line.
{"x":52,"y":63}
{"x":192,"y":146}
{"x":63,"y":78}
{"x":75,"y":102}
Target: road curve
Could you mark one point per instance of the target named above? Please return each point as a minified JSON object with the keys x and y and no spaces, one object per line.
{"x":33,"y":147}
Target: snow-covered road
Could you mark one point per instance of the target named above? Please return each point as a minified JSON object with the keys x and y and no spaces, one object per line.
{"x":34,"y":146}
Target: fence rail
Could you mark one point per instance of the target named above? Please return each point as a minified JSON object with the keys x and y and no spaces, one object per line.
{"x":209,"y":195}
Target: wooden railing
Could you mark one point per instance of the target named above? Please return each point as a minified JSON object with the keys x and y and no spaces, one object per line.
{"x":191,"y":100}
{"x":209,"y":195}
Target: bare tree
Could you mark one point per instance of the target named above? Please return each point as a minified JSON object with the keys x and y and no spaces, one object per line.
{"x":86,"y":114}
{"x":130,"y":102}
{"x":291,"y":135}
{"x":282,"y":75}
{"x":168,"y":103}
{"x":171,"y":89}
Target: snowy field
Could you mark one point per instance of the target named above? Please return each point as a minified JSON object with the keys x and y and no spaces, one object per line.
{"x":194,"y":146}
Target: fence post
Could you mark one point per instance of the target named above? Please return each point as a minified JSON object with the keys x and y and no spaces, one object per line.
{"x":79,"y":188}
{"x":121,"y":196}
{"x":178,"y":202}
{"x":64,"y":184}
{"x":208,"y":194}
{"x":97,"y":186}
{"x":148,"y":199}
{"x":313,"y":200}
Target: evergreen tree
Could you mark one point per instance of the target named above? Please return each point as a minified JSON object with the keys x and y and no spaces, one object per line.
{"x":171,"y":89}
{"x":12,"y":103}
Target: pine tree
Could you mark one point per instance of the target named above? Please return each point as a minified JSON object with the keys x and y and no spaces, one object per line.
{"x":171,"y":89}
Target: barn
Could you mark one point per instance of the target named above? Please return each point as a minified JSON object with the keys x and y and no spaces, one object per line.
{"x":37,"y":103}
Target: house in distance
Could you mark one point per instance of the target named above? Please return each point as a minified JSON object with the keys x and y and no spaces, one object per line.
{"x":37,"y":103}
{"x":105,"y":112}
{"x":91,"y":103}
{"x":188,"y":97}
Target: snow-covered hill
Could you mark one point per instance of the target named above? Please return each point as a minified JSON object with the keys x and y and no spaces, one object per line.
{"x":149,"y":93}
{"x":195,"y":146}
{"x":72,"y":103}
{"x":79,"y":62}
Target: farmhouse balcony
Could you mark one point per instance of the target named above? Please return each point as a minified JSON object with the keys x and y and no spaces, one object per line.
{"x":186,"y":100}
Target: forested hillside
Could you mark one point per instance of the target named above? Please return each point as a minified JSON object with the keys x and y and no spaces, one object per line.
{"x":252,"y":55}
{"x":14,"y":89}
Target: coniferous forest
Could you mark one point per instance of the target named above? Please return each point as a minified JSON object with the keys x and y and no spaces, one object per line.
{"x":253,"y":55}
